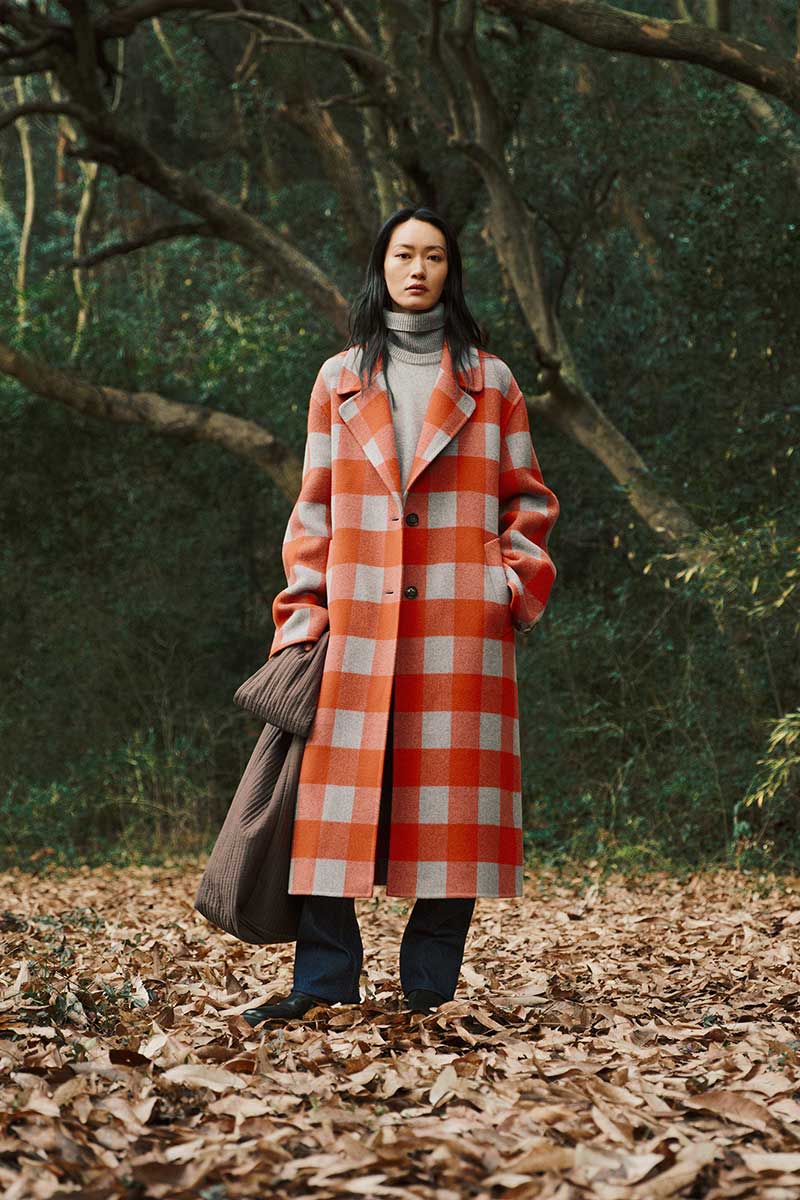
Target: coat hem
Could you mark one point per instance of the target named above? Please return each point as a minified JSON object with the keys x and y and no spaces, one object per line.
{"x":418,"y":895}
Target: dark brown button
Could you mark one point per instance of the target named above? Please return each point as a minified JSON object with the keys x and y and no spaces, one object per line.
{"x":410,"y":591}
{"x":412,"y":519}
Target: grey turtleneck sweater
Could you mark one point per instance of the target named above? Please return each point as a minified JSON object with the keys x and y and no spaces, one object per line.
{"x":414,"y":354}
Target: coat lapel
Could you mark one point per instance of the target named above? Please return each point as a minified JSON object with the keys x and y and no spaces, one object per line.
{"x":367,"y":413}
{"x":449,"y":406}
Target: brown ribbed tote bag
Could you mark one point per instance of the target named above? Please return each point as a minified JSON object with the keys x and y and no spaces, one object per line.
{"x":244,"y":888}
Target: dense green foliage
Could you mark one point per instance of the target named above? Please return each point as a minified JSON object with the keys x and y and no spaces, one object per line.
{"x":137,"y":573}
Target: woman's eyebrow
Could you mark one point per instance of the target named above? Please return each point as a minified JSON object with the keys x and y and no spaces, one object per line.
{"x":406,"y":246}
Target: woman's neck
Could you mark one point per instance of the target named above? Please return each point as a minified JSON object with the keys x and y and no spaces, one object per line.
{"x":415,"y":333}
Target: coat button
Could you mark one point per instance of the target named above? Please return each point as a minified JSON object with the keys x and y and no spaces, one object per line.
{"x":410,"y":591}
{"x":412,"y":519}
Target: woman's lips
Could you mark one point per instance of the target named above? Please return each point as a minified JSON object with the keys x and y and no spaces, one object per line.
{"x":416,"y":288}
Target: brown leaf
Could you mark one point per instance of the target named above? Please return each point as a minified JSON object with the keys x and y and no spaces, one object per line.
{"x":732,"y":1106}
{"x":200,"y":1075}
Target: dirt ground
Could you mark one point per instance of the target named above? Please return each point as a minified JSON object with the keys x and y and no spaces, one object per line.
{"x":613,"y":1039}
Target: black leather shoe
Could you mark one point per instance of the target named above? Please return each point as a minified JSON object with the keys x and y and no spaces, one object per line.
{"x":423,"y":1001}
{"x":296,"y":1004}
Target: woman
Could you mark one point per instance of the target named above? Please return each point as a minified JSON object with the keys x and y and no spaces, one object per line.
{"x":419,"y":540}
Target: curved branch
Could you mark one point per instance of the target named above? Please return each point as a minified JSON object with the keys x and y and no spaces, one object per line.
{"x":45,"y":107}
{"x":23,"y":133}
{"x":109,"y":142}
{"x":365,"y":58}
{"x":169,"y":418}
{"x":162,"y":233}
{"x":613,"y":28}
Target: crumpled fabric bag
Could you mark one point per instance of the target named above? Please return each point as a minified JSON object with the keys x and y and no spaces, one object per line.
{"x":244,"y":888}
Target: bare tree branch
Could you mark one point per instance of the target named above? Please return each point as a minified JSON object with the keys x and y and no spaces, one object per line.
{"x":303,"y":39}
{"x":169,"y":418}
{"x":612,"y":28}
{"x":45,"y":107}
{"x":23,"y":134}
{"x":436,"y":53}
{"x":758,"y":107}
{"x":162,"y":233}
{"x":351,"y":23}
{"x":490,"y":122}
{"x":356,"y":207}
{"x":109,"y":142}
{"x":39,"y":32}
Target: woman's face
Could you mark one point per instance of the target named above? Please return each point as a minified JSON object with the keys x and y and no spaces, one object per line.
{"x":415,"y":257}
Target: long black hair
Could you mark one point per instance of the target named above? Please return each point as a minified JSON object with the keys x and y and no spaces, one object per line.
{"x":365,"y":323}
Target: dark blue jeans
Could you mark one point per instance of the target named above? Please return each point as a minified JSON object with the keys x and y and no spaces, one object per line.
{"x":329,"y":953}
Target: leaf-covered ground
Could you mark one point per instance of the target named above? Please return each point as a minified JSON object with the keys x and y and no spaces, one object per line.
{"x":609,"y":1039}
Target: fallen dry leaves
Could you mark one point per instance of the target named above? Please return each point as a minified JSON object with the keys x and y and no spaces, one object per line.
{"x":620,"y":1040}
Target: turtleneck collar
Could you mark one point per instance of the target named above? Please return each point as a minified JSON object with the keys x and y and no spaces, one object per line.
{"x":416,"y":337}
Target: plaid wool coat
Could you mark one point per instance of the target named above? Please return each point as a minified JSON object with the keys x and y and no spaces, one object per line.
{"x":424,"y":587}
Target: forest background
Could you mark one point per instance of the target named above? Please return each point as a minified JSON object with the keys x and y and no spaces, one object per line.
{"x":188,"y":193}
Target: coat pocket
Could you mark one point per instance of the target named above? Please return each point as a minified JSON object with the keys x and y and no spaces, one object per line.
{"x":496,"y":571}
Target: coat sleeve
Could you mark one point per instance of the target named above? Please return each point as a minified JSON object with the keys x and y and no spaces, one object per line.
{"x":528,"y":511}
{"x":300,"y":611}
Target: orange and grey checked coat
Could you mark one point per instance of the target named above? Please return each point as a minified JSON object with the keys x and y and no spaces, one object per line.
{"x":424,"y":587}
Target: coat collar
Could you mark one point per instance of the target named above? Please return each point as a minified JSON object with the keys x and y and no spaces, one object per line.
{"x":367,"y":414}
